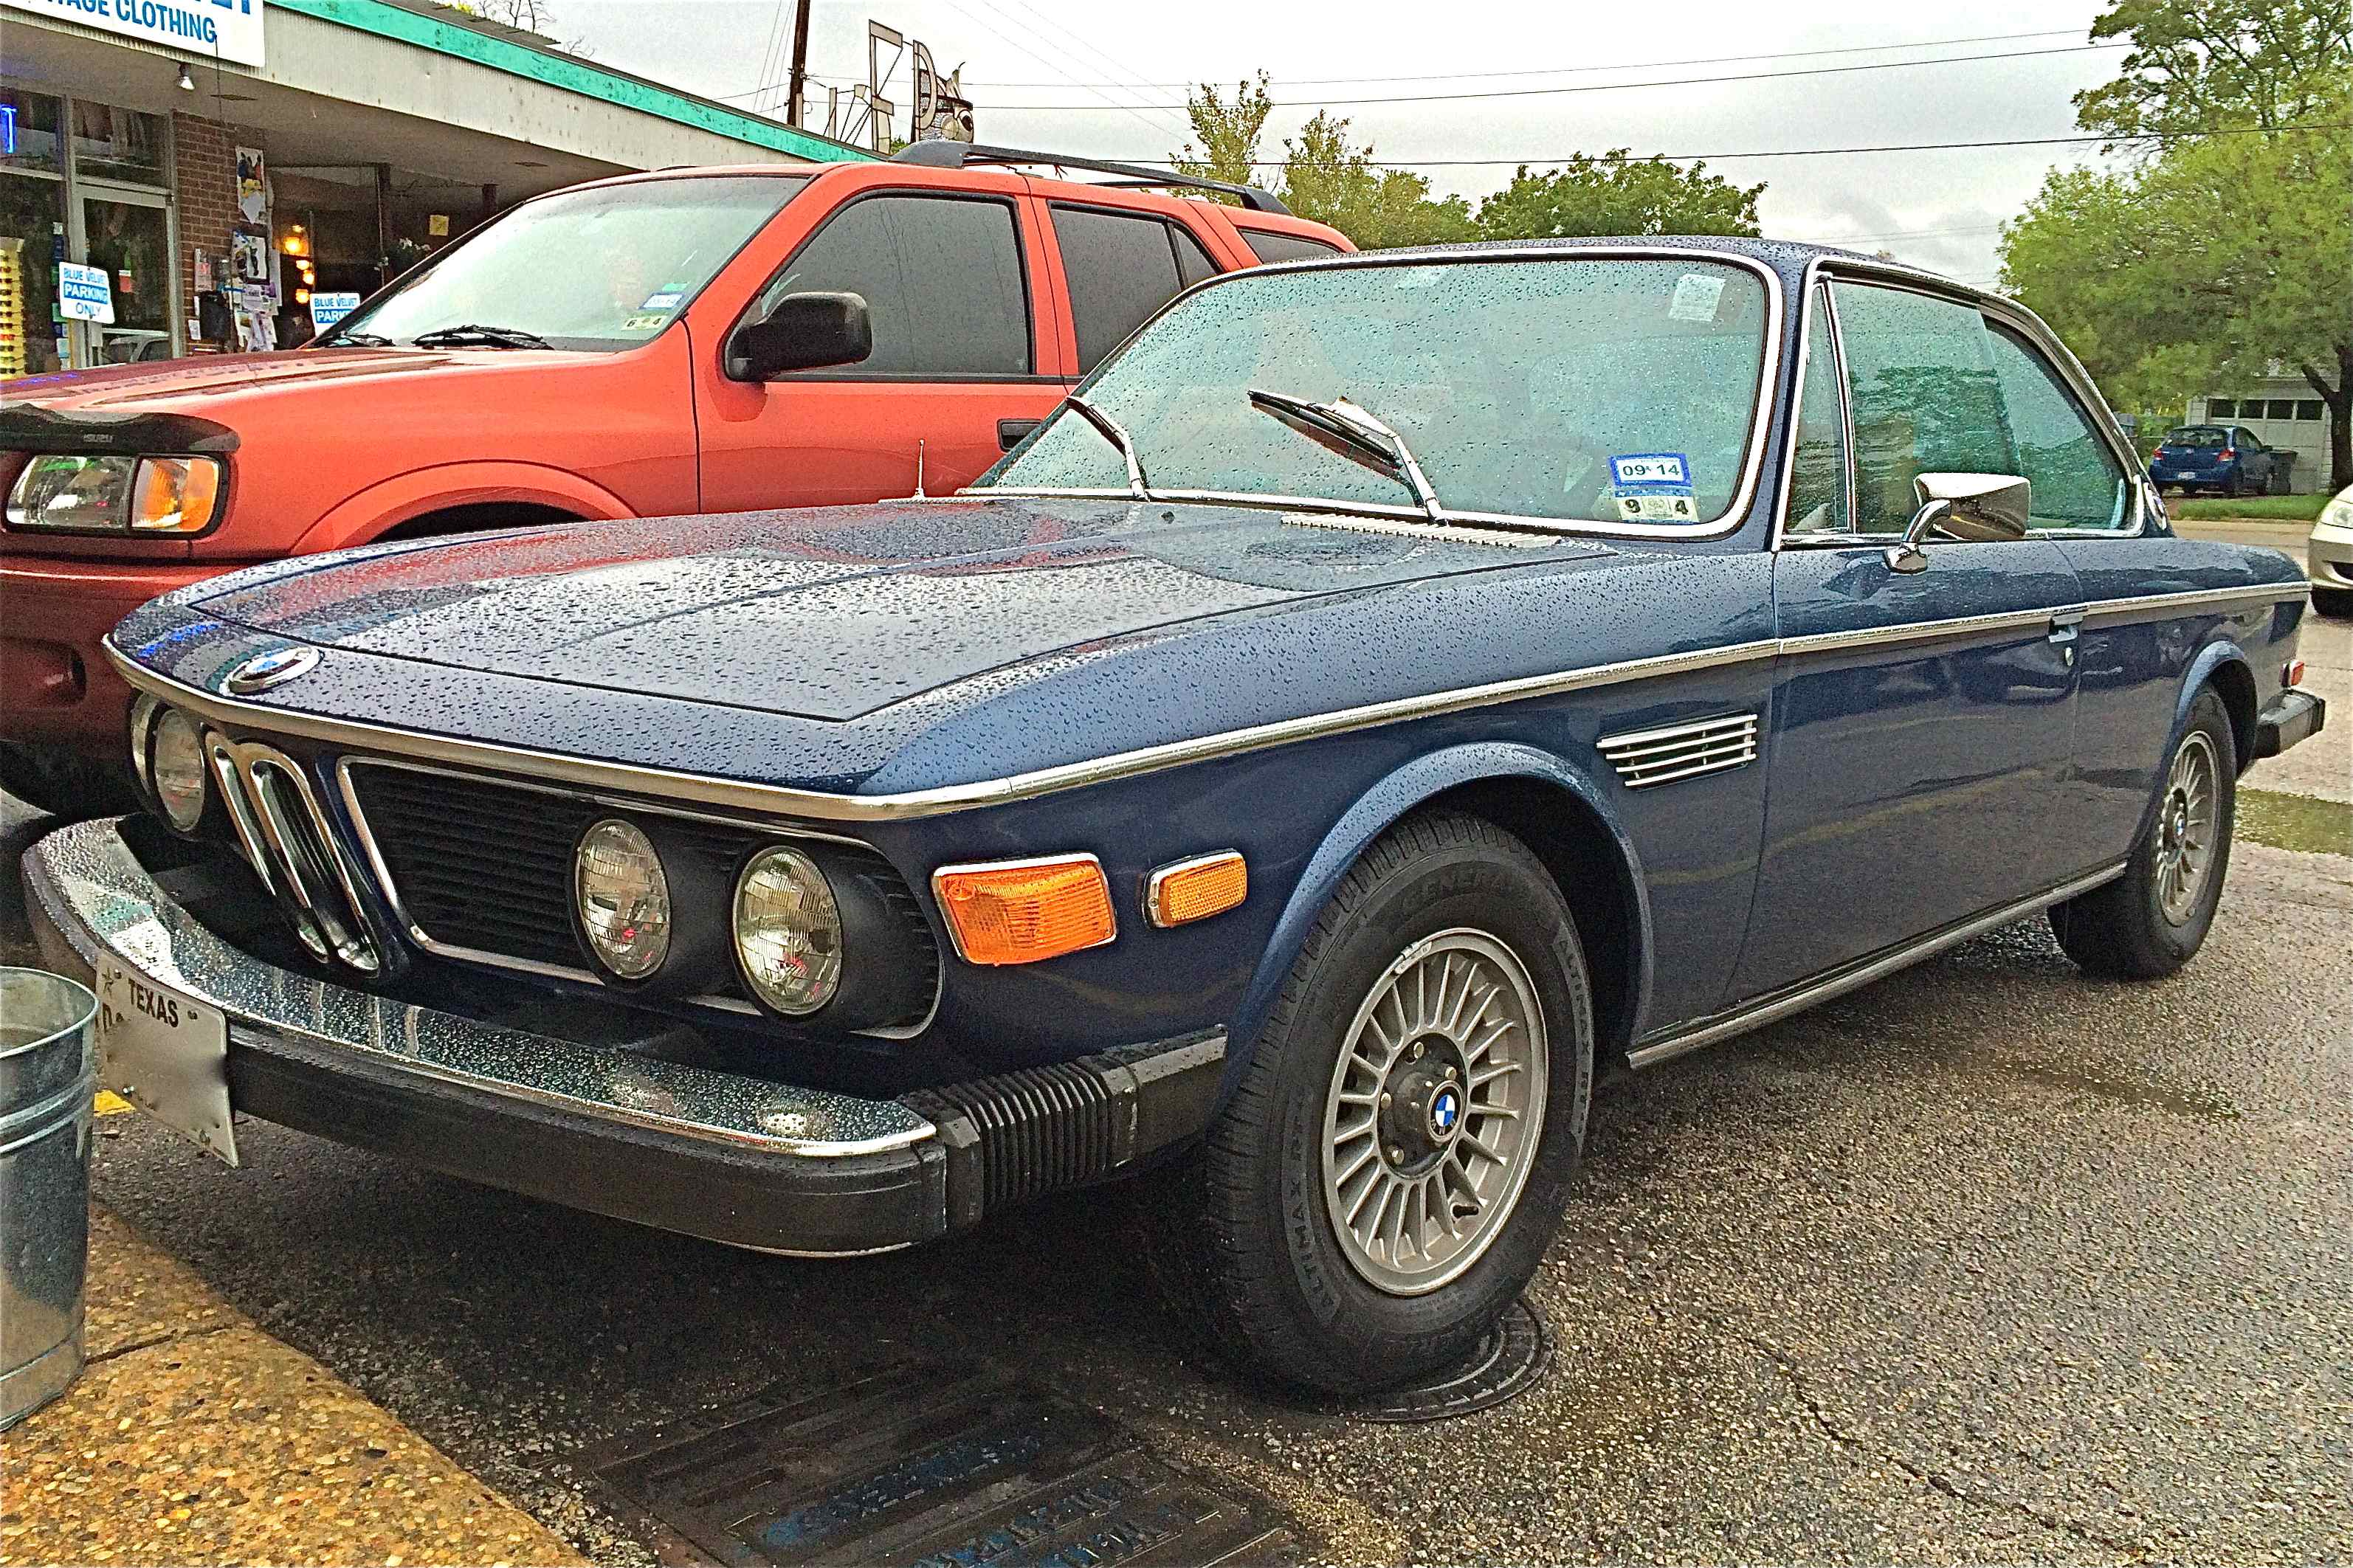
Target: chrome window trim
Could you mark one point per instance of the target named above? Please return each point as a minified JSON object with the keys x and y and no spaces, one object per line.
{"x":344,"y":767}
{"x":1735,"y":512}
{"x":1915,"y":281}
{"x":764,"y":800}
{"x":1773,"y":1009}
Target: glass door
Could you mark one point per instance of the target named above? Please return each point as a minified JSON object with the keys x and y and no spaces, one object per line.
{"x":127,"y":235}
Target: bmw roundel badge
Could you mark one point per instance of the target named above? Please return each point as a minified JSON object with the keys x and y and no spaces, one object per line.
{"x":1445,"y":1111}
{"x":264,"y":671}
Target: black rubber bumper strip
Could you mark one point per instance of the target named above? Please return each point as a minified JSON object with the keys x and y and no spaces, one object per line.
{"x":2295,"y":715}
{"x":858,"y":1203}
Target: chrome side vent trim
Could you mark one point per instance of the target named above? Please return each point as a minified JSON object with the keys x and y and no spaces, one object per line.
{"x":287,"y":838}
{"x":1671,"y":752}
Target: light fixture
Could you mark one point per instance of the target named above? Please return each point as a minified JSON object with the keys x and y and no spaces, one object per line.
{"x":187,"y":82}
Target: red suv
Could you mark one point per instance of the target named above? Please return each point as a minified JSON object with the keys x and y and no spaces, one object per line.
{"x":612,"y":350}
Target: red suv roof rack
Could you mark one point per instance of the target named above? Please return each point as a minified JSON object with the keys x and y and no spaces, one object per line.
{"x":945,"y":154}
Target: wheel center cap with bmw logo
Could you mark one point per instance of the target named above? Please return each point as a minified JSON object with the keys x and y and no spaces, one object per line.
{"x":264,"y":671}
{"x":1445,"y":1112}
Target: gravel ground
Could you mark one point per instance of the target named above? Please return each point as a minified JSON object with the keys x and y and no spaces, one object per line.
{"x":1987,"y":1262}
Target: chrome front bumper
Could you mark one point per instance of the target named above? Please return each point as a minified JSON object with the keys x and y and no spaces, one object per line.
{"x":2328,"y":560}
{"x":736,"y":1159}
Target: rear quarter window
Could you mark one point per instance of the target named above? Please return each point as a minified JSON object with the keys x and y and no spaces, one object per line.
{"x":1268,"y":245}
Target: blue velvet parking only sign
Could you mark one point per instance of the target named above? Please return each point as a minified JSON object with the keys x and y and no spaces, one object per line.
{"x":84,"y":294}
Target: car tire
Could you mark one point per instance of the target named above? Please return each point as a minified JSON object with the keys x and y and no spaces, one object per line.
{"x":2337,"y":602}
{"x":1245,"y":1237}
{"x":2152,"y":920}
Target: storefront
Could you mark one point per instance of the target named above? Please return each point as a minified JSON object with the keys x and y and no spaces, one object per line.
{"x":182,"y":177}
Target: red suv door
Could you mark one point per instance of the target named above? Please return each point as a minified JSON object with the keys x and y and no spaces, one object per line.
{"x":966,"y":333}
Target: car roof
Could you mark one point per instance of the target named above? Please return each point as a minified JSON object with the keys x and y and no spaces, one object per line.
{"x":1787,"y":255}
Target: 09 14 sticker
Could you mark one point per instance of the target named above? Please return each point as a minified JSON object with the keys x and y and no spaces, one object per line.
{"x":1653,"y":486}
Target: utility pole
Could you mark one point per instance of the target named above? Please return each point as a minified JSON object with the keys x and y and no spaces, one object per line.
{"x":800,"y":61}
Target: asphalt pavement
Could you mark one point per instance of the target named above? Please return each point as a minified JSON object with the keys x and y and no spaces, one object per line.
{"x":1987,"y":1262}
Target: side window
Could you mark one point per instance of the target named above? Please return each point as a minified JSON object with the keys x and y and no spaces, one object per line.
{"x":2075,"y":478}
{"x":1193,"y":263}
{"x":942,"y":278}
{"x":1121,"y":268}
{"x":1818,"y":475}
{"x":1268,"y":245}
{"x":1920,"y":372}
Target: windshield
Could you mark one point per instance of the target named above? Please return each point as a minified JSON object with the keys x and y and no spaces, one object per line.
{"x":1595,"y":390}
{"x":2197,"y":436}
{"x":603,"y":268}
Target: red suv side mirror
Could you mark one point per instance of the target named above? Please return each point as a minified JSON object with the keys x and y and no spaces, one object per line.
{"x":804,"y":332}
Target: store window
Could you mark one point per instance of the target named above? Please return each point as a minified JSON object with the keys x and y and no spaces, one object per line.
{"x":88,"y":183}
{"x":28,"y":132}
{"x":111,"y":143}
{"x":32,"y":229}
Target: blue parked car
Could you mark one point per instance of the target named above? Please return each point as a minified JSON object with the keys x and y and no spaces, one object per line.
{"x":1385,"y":697}
{"x":2223,"y":458}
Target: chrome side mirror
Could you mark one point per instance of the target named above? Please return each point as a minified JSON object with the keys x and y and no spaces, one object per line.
{"x":1975,"y":508}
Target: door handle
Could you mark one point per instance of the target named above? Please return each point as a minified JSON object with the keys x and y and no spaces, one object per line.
{"x":2064,"y":621}
{"x":1010,"y":433}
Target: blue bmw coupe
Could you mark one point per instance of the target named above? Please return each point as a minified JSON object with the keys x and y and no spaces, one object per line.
{"x":1387,"y":693}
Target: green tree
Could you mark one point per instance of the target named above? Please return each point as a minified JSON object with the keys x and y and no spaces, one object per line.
{"x":1228,"y":132}
{"x":2202,"y":64}
{"x":1331,"y":181}
{"x":2217,"y":257}
{"x":1617,"y":194}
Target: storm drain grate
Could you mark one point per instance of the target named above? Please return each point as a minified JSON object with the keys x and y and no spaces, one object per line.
{"x":1512,"y":1359}
{"x":912,"y":1468}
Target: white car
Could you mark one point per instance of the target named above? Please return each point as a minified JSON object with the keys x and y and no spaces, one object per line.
{"x":2329,"y":556}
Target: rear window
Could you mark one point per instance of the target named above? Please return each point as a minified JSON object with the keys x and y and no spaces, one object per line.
{"x":1268,"y":245}
{"x":2197,"y":436}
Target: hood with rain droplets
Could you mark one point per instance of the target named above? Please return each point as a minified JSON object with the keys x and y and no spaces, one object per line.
{"x":826,"y":614}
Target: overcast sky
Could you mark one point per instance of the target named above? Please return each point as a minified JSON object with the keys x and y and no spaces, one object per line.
{"x":1938,"y":209}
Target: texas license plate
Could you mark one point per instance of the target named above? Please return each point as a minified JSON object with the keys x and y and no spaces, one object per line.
{"x":166,"y":1053}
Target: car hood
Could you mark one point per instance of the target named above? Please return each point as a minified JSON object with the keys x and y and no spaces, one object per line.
{"x":828,"y":615}
{"x":192,"y":384}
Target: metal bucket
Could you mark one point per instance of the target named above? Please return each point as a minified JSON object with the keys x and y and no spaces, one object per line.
{"x":48,"y":1072}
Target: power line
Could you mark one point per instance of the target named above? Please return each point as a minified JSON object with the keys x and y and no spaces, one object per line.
{"x":1557,"y":70}
{"x":1627,"y":65}
{"x":1155,"y":160}
{"x":1600,"y":86}
{"x":1083,"y":46}
{"x":1014,"y":42}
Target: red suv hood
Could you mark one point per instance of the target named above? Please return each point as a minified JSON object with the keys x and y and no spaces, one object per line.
{"x":165,"y":384}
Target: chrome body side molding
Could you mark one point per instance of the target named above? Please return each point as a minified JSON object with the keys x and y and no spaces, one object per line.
{"x":767,"y":800}
{"x":1771,"y":1009}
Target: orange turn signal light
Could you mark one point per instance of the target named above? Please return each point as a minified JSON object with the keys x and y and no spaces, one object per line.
{"x":1197,"y":889}
{"x":175,"y":495}
{"x":1020,"y":911}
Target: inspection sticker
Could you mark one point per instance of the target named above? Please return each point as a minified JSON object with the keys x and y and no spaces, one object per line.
{"x":1697,"y":295}
{"x":1653,"y":486}
{"x":645,"y":324}
{"x":665,"y":301}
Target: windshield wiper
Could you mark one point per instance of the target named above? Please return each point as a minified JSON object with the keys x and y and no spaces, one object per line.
{"x":1112,"y":431}
{"x":474,"y":332}
{"x":1356,"y":433}
{"x":357,"y":340}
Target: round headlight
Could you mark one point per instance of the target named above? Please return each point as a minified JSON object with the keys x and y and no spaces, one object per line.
{"x":788,"y":931}
{"x":623,"y":898}
{"x":176,"y":768}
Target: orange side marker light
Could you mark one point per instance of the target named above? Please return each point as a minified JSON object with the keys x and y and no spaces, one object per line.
{"x":1021,"y":912}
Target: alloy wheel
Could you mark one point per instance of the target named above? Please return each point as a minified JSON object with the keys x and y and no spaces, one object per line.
{"x":1435,"y":1111}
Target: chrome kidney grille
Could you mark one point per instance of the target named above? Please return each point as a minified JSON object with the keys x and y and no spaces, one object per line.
{"x":291,"y":844}
{"x":1671,"y":752}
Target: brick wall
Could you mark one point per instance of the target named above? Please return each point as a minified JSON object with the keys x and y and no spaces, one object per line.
{"x":204,"y":159}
